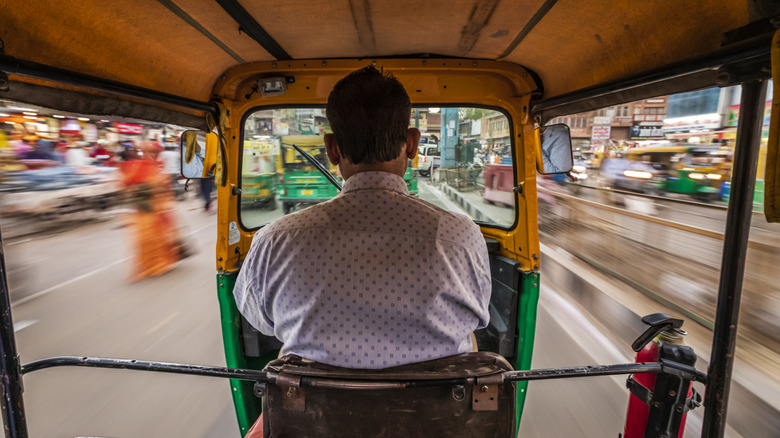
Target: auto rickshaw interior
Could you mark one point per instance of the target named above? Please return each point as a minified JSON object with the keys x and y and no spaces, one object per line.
{"x":274,"y":131}
{"x":209,"y":65}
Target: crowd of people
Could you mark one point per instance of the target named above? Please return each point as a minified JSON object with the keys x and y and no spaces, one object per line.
{"x":149,"y":176}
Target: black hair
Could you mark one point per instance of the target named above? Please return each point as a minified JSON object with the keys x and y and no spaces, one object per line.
{"x":369,"y":112}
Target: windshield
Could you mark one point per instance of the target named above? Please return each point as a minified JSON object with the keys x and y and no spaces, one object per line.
{"x":472,"y":146}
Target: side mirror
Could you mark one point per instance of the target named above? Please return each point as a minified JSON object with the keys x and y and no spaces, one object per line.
{"x":198,"y":154}
{"x":554,"y":152}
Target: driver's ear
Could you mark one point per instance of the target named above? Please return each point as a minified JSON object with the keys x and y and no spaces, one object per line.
{"x":332,"y":149}
{"x":412,"y":142}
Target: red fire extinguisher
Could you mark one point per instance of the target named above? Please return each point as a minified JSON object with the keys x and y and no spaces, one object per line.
{"x":658,"y":403}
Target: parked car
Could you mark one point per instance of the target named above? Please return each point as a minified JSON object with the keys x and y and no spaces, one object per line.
{"x":429,"y":158}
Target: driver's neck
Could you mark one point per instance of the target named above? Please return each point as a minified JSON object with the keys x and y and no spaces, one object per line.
{"x":397,"y":167}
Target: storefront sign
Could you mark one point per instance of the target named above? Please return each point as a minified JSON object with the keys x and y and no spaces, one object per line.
{"x":732,"y":118}
{"x":129,"y":128}
{"x":690,"y":123}
{"x":600,"y":133}
{"x":600,"y":120}
{"x":647,"y":131}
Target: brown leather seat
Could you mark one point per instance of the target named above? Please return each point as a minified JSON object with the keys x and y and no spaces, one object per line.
{"x":468,"y":398}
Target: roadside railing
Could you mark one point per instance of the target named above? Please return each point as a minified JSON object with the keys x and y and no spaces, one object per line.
{"x":463,"y":180}
{"x":668,"y":250}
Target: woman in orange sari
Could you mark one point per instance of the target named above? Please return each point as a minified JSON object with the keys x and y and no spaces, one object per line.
{"x":156,"y":242}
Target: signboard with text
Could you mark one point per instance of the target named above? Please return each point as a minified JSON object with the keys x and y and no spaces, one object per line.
{"x":691,"y":123}
{"x":129,"y":128}
{"x":266,"y":147}
{"x":600,"y":133}
{"x":647,"y":131}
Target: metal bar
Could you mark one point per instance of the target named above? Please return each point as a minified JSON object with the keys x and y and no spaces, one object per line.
{"x":733,"y":262}
{"x":585,"y":371}
{"x":142,"y":365}
{"x":654,"y":81}
{"x":11,"y":65}
{"x":540,"y":13}
{"x":12,"y":402}
{"x":194,"y":23}
{"x":267,"y":377}
{"x":512,"y":376}
{"x":87,"y":103}
{"x":251,"y":27}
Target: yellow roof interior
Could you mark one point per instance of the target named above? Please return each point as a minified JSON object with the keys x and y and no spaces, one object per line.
{"x":575,"y":44}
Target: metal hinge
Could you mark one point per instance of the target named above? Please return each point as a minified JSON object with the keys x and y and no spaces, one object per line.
{"x":293,"y":396}
{"x":484,"y":395}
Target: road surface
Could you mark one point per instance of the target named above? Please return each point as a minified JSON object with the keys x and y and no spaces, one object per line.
{"x":71,"y":297}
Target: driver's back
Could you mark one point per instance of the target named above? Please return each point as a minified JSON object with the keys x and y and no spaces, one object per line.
{"x":373,"y":278}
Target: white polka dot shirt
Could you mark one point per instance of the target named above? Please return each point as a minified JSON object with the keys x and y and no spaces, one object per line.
{"x":371,"y":279}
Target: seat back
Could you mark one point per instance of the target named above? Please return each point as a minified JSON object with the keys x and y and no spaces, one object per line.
{"x":462,"y":395}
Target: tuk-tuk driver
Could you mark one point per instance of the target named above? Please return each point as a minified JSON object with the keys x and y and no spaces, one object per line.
{"x":373,"y":278}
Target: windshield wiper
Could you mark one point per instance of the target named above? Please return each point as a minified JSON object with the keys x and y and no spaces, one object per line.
{"x":319,"y":167}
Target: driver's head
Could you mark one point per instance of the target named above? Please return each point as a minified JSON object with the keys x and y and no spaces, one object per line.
{"x":369,"y":112}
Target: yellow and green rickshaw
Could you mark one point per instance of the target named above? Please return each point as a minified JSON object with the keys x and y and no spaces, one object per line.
{"x":300,"y":183}
{"x":258,"y":174}
{"x":211,"y":65}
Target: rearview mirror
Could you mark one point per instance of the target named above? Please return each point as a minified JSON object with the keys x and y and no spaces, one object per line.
{"x":555,"y":150}
{"x":198,"y":154}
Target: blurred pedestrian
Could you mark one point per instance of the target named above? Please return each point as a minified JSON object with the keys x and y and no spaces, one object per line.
{"x":157,"y":245}
{"x":60,"y":150}
{"x":171,"y":166}
{"x":77,"y":156}
{"x":40,"y":149}
{"x":100,"y":154}
{"x":206,"y":187}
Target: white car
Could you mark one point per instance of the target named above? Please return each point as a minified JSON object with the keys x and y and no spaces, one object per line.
{"x":429,"y":158}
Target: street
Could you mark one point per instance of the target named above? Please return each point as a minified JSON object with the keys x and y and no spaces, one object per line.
{"x":71,"y":297}
{"x":74,"y":299}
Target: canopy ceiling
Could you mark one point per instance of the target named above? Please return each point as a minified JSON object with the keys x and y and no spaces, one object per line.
{"x":182,"y":46}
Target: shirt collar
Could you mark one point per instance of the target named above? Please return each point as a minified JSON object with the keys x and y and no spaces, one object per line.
{"x":375,"y":180}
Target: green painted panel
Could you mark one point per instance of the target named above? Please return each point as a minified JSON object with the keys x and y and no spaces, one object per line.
{"x":248,"y":407}
{"x":526,"y":326}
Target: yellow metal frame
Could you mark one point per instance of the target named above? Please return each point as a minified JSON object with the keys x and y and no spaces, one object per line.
{"x":772,"y":174}
{"x":435,"y":82}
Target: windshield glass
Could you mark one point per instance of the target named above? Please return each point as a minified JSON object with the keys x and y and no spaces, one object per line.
{"x":463,"y":148}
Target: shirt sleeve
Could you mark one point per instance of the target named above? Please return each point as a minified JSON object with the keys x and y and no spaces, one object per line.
{"x":250,"y":290}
